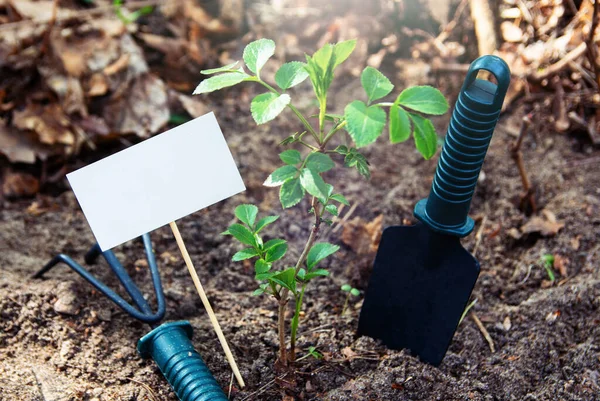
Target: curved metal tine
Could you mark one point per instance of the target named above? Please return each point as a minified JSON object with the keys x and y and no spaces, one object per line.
{"x":146,"y":314}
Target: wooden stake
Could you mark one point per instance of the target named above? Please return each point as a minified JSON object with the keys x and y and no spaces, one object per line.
{"x":209,"y":310}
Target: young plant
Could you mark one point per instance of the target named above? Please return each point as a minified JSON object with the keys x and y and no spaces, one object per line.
{"x":350,"y":291}
{"x":302,"y":174}
{"x":547,"y":261}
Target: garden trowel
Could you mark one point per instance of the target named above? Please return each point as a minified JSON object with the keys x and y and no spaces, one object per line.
{"x":422,"y":276}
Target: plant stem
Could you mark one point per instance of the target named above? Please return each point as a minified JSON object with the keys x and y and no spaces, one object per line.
{"x":281,"y":329}
{"x":332,"y":132}
{"x":345,"y":304}
{"x":297,"y":317}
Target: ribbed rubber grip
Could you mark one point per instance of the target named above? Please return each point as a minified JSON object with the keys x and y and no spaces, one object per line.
{"x":469,"y":134}
{"x":170,"y":347}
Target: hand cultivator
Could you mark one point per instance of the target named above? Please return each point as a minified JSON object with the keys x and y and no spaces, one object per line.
{"x":168,"y":344}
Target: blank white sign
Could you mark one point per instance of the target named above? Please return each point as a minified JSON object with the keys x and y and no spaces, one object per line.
{"x":156,"y":181}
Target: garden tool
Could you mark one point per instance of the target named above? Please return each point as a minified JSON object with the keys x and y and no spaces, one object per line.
{"x":168,"y":344}
{"x":422,"y":276}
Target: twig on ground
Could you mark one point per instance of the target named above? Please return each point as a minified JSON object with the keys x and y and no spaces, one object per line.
{"x":344,"y":219}
{"x":539,"y":75}
{"x":146,"y":387}
{"x":592,"y":51}
{"x":230,"y":386}
{"x":516,"y":154}
{"x":483,"y":330}
{"x":264,"y":387}
{"x":479,"y":235}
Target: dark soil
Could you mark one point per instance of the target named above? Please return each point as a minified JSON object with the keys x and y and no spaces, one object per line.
{"x":546,"y":335}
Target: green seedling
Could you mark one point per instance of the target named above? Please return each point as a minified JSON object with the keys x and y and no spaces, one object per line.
{"x":467,"y":309}
{"x":128,"y":17}
{"x":303,"y":173}
{"x":312,"y":351}
{"x":547,"y":261}
{"x":347,"y":288}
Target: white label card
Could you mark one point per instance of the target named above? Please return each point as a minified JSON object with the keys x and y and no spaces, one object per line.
{"x":157,"y":181}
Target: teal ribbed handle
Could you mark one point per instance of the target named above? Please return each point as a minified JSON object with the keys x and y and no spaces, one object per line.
{"x":170,"y":347}
{"x":469,"y":134}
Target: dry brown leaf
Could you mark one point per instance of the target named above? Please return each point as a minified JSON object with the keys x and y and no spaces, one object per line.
{"x":361,"y":236}
{"x":16,"y":146}
{"x":142,"y":110}
{"x":192,"y":105}
{"x":48,"y":121}
{"x":197,"y":14}
{"x":547,"y":226}
{"x":560,"y":264}
{"x":348,"y":353}
{"x":18,"y":185}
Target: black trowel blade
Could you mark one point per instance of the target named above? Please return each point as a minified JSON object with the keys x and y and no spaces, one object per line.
{"x":419,"y":288}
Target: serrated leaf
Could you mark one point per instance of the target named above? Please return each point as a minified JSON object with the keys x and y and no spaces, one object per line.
{"x":281,"y":175}
{"x":332,"y":209}
{"x":291,"y":74}
{"x":355,"y":292}
{"x":365,"y":124}
{"x":276,"y":252}
{"x":291,"y":193}
{"x":225,"y":68}
{"x":313,"y":184}
{"x":319,"y":162}
{"x":267,"y":106}
{"x":319,"y":252}
{"x":286,"y":278}
{"x":273,"y":242}
{"x":424,"y":99}
{"x":342,"y":150}
{"x":265,"y":221}
{"x":242,"y":234}
{"x":291,"y":157}
{"x":316,"y":273}
{"x":264,"y":276}
{"x":425,"y":136}
{"x":342,"y":51}
{"x":340,"y":198}
{"x":375,"y":84}
{"x":244,"y":254}
{"x":399,"y":124}
{"x":220,"y":81}
{"x":261,"y":266}
{"x":346,"y":288}
{"x":257,"y":53}
{"x":246,"y":214}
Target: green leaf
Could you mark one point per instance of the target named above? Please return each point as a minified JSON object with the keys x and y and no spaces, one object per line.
{"x":265,"y":221}
{"x":342,"y":150}
{"x":340,"y":198}
{"x":220,"y":81}
{"x":322,"y":57}
{"x":424,"y":99}
{"x":315,"y":273}
{"x":312,"y":182}
{"x":286,"y":278}
{"x":291,"y":74}
{"x":355,"y":292}
{"x":261,"y":266}
{"x":291,"y":193}
{"x":399,"y":124}
{"x":281,"y":175}
{"x":319,"y":252}
{"x":273,"y":242}
{"x":257,"y":53}
{"x":343,"y":50}
{"x":425,"y":137}
{"x":301,"y":273}
{"x":291,"y":156}
{"x":244,"y":254}
{"x":242,"y":234}
{"x":346,"y":288}
{"x":264,"y":276}
{"x":225,"y":68}
{"x":332,"y":209}
{"x":365,"y":124}
{"x":375,"y":83}
{"x":267,"y":106}
{"x":246,"y":214}
{"x":258,"y":291}
{"x":319,"y":162}
{"x":276,"y":252}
